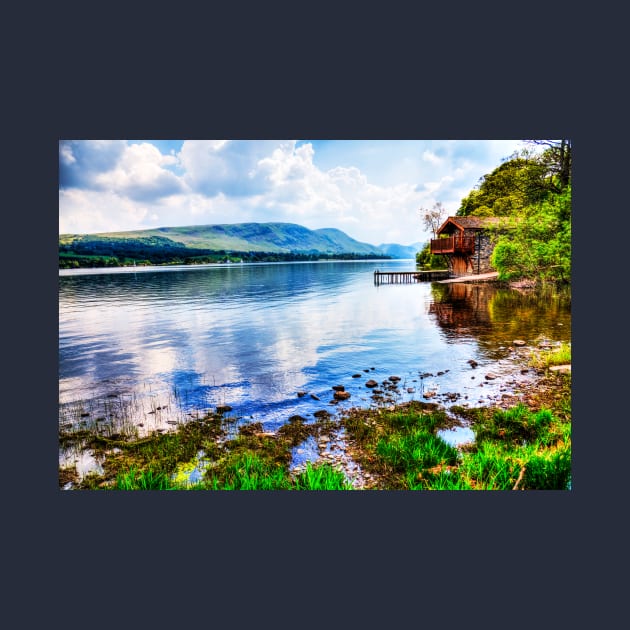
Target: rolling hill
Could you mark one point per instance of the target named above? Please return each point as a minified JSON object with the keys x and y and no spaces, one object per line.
{"x":264,"y":237}
{"x":194,"y":244}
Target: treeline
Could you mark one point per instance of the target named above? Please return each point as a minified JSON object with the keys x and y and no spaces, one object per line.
{"x":122,"y":252}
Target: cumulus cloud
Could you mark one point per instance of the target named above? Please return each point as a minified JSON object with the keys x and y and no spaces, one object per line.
{"x":140,"y":174}
{"x":225,"y":166}
{"x":81,"y":161}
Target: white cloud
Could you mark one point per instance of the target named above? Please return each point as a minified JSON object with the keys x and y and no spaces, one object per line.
{"x":429,"y":156}
{"x":140,"y":174}
{"x":88,"y":211}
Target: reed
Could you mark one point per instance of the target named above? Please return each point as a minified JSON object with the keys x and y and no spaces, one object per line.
{"x":321,"y":477}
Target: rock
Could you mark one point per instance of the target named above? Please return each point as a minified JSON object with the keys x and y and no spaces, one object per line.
{"x":371,"y":383}
{"x":440,"y":373}
{"x":340,"y":395}
{"x":356,"y":376}
{"x":338,"y":388}
{"x":224,"y":409}
{"x":411,"y":390}
{"x":472,"y":363}
{"x":394,"y":379}
{"x":519,"y":342}
{"x":297,"y":419}
{"x":429,"y":394}
{"x":322,"y":413}
{"x":301,"y":394}
{"x":561,"y":369}
{"x":314,"y":397}
{"x":490,"y":376}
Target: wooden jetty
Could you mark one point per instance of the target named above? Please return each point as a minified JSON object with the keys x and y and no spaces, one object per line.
{"x":400,"y":277}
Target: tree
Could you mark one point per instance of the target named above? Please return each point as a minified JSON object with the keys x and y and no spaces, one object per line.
{"x":433,"y":219}
{"x":539,"y":245}
{"x":505,"y":191}
{"x":557,"y":160}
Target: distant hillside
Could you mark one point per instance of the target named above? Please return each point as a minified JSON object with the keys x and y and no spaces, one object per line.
{"x":400,"y":251}
{"x":207,"y":243}
{"x":267,"y":237}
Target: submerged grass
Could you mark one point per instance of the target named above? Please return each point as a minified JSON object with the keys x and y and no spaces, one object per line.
{"x":520,"y":448}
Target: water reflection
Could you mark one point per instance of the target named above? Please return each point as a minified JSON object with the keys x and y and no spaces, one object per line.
{"x":153,"y":348}
{"x":495,"y":317}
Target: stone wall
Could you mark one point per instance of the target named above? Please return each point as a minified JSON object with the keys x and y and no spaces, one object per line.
{"x":479,"y":262}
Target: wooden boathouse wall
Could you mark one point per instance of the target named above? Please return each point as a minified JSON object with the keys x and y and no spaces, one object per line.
{"x":466,"y":244}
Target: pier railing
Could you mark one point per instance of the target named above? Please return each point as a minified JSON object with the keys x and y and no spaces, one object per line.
{"x":400,"y":277}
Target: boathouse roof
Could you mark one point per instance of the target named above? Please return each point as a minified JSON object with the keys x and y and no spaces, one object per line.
{"x":471,"y":223}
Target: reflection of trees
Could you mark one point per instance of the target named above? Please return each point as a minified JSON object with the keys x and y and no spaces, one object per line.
{"x":496,"y":316}
{"x":460,"y":307}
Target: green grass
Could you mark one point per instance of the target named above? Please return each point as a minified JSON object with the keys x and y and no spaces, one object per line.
{"x":514,"y":449}
{"x":134,"y":479}
{"x":517,"y":425}
{"x":248,"y":471}
{"x":321,"y":477}
{"x":517,"y":448}
{"x":557,"y":356}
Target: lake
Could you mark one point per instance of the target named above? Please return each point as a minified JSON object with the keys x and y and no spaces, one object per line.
{"x":154,"y":346}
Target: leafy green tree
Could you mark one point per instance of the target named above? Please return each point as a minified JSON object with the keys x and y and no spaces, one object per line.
{"x":427,"y":260}
{"x":557,"y":161}
{"x":539,"y":246}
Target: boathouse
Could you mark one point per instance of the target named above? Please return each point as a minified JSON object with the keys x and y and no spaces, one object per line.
{"x":467,"y":242}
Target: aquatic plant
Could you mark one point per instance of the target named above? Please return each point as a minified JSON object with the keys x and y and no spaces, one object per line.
{"x":321,"y":477}
{"x":556,"y":356}
{"x":135,"y":479}
{"x":247,"y":471}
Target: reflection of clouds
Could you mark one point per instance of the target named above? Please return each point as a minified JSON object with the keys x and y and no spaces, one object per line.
{"x":237,"y":336}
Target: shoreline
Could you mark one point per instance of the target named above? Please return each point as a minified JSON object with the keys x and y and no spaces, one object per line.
{"x":323,"y":443}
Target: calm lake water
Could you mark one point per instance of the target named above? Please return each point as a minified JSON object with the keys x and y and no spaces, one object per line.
{"x":155,"y":346}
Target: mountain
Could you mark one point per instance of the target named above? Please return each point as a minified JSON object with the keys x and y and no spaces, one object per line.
{"x":194,"y":240}
{"x":400,"y":251}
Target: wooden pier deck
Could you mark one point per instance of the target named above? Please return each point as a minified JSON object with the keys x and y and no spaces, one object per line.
{"x":400,"y":277}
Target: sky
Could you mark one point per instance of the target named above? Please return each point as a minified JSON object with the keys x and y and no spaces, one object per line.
{"x":373,"y":190}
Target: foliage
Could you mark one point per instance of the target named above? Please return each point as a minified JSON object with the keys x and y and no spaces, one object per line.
{"x":539,"y":246}
{"x":505,"y":191}
{"x":428,"y":261}
{"x":534,"y":189}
